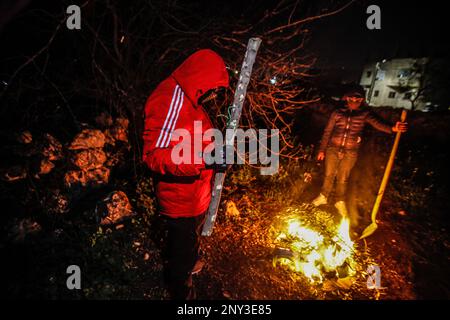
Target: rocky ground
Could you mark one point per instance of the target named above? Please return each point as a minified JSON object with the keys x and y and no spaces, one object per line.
{"x":82,"y":201}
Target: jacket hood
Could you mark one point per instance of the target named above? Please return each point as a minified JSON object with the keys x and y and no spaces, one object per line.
{"x":202,"y":71}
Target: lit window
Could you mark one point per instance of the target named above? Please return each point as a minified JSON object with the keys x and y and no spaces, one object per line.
{"x":391,"y":95}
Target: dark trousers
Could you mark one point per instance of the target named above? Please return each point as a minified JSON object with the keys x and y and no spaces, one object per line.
{"x":338,"y":165}
{"x":183,"y":244}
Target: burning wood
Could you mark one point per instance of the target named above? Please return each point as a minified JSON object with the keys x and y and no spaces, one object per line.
{"x":314,"y":245}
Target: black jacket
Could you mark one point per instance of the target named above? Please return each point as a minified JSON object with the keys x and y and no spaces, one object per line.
{"x":345,"y":127}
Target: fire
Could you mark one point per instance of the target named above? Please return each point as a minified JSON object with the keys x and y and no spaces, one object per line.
{"x":316,"y":252}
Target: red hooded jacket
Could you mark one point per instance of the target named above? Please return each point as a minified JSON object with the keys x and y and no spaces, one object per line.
{"x":183,"y":190}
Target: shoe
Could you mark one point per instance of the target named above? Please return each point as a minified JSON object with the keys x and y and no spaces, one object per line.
{"x":342,"y":208}
{"x":320,"y":200}
{"x":198,"y":266}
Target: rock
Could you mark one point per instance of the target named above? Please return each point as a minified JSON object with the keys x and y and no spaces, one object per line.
{"x":45,"y":166}
{"x":88,"y":139}
{"x":51,"y":148}
{"x":46,"y":146}
{"x":115,"y":157}
{"x":74,"y":177}
{"x":25,"y":137}
{"x":114,"y":208}
{"x":231,"y":211}
{"x":92,"y":178}
{"x":89,"y":159}
{"x":120,"y":129}
{"x":14,"y":173}
{"x":98,"y":176}
{"x":109,"y":139}
{"x":113,"y":160}
{"x":122,"y":122}
{"x":117,"y":132}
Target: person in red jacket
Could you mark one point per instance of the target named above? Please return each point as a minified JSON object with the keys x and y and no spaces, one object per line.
{"x":183,"y":190}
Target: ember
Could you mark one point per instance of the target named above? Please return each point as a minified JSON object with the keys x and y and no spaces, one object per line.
{"x":315,"y":247}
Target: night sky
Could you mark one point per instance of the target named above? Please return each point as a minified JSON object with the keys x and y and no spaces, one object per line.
{"x":340,"y":42}
{"x":408,"y":29}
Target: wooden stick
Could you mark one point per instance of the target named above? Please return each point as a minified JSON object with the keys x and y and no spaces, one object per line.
{"x":387,"y":172}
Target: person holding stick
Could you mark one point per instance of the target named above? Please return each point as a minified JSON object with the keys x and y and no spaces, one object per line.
{"x":340,"y":143}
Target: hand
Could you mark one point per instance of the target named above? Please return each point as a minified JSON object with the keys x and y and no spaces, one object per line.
{"x":400,"y":127}
{"x":321,"y":156}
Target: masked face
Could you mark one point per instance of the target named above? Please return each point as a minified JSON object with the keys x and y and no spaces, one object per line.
{"x":354,"y":102}
{"x":210,"y":95}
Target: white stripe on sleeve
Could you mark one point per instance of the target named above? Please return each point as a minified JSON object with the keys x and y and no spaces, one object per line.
{"x":176,"y":118}
{"x":175,"y":97}
{"x":164,"y":143}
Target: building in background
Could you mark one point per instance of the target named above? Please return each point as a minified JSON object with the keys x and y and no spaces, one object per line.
{"x":398,"y":83}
